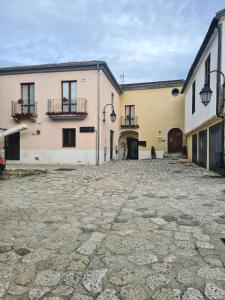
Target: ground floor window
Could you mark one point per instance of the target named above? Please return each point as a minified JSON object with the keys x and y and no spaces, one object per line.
{"x":69,"y":137}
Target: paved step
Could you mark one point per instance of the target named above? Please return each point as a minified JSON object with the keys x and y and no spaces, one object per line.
{"x":172,"y":155}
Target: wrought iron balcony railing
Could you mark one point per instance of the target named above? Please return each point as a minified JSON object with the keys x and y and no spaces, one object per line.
{"x":24,"y":110}
{"x":129,"y":122}
{"x":66,"y":109}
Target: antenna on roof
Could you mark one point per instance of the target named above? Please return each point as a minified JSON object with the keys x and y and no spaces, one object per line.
{"x":122,"y":76}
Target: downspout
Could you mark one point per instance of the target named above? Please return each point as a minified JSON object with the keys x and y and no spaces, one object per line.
{"x":98,"y":116}
{"x":219,"y":105}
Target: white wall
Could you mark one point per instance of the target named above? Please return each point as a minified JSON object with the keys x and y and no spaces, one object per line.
{"x":106,"y":90}
{"x":202,"y":113}
{"x":223,"y":47}
{"x":58,"y":156}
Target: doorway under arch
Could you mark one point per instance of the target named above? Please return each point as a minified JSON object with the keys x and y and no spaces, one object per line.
{"x":175,"y":141}
{"x":128,"y":145}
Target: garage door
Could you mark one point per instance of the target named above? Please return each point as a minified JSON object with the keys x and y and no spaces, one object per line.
{"x":194,"y":148}
{"x":216,"y":138}
{"x":202,"y":148}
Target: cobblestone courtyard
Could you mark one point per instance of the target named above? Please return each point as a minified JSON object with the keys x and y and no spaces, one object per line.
{"x":125,"y":230}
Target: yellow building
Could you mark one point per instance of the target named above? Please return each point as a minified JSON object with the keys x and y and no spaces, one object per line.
{"x":152,"y":114}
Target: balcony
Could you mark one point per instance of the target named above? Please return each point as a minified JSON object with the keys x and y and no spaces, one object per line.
{"x":66,"y":109}
{"x":129,"y":122}
{"x":24,"y":110}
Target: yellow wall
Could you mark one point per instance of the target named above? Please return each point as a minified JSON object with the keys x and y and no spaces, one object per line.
{"x":157,"y":110}
{"x":189,"y":146}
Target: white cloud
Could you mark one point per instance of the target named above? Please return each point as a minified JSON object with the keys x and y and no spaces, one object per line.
{"x":149,"y":39}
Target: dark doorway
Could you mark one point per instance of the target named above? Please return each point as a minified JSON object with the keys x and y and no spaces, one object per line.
{"x":202,"y":148}
{"x":132,"y":151}
{"x":216,"y":138}
{"x":12,"y":147}
{"x":194,"y":148}
{"x":175,"y":140}
{"x":111,"y":143}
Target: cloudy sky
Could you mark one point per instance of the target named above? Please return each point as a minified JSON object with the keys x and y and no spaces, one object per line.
{"x":147,"y":39}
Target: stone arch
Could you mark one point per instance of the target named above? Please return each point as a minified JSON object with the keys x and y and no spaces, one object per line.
{"x":123,"y":142}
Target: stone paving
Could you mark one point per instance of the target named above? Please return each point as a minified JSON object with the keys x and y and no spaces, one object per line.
{"x":125,"y":230}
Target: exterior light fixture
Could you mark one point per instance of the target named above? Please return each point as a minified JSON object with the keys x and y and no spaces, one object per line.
{"x":206,"y":95}
{"x":112,"y":115}
{"x":206,"y":92}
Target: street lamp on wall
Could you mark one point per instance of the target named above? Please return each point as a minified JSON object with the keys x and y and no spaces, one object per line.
{"x":206,"y":92}
{"x":112,"y":115}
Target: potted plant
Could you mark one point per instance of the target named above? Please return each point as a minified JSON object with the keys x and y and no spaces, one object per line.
{"x":153,"y":153}
{"x":184,"y":152}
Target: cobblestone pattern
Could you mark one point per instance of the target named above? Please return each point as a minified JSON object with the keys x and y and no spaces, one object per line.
{"x":124,"y":230}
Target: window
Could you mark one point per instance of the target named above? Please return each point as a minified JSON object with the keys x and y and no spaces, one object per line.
{"x":28,"y":95}
{"x":207,"y":70}
{"x":175,"y":92}
{"x":142,"y":143}
{"x":69,"y":96}
{"x":193,"y":97}
{"x":112,"y":99}
{"x":69,"y":137}
{"x":129,"y":115}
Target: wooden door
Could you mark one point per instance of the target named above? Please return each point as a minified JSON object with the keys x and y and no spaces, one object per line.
{"x":175,"y":141}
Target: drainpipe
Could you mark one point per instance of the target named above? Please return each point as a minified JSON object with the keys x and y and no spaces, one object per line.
{"x":219,"y":105}
{"x":98,"y":116}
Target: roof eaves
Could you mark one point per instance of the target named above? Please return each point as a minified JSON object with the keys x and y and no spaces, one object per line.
{"x":49,"y":67}
{"x":59,"y":67}
{"x":152,"y":85}
{"x":111,"y":78}
{"x":220,"y":13}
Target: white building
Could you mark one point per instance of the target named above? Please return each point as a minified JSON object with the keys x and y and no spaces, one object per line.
{"x":204,"y":124}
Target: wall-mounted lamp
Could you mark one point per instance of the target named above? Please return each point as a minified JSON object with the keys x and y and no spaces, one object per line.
{"x":112,"y":115}
{"x":206,"y":92}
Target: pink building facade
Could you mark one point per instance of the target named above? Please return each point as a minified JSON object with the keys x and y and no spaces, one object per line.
{"x":62,"y":105}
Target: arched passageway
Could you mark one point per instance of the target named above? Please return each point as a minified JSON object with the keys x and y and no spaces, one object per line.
{"x":128,"y":145}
